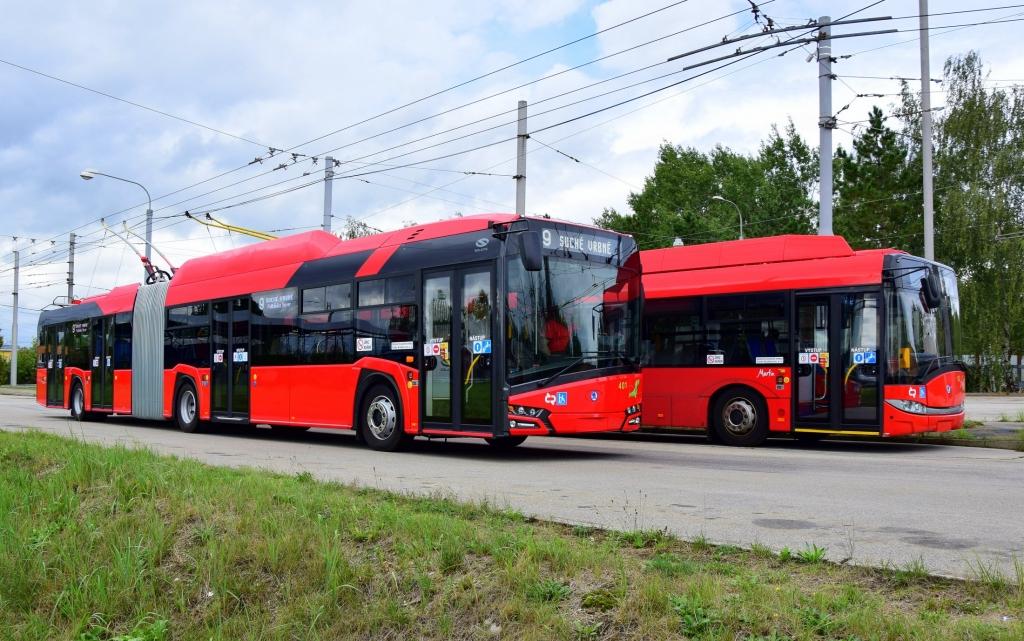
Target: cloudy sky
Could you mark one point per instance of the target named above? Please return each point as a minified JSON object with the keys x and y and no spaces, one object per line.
{"x":277,"y":75}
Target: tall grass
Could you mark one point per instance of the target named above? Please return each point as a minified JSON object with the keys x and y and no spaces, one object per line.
{"x":116,"y":545}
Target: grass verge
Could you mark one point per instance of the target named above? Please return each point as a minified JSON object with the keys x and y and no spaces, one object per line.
{"x":103,"y":544}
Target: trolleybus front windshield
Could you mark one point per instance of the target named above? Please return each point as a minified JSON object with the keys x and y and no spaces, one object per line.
{"x":922,"y":339}
{"x":572,"y":315}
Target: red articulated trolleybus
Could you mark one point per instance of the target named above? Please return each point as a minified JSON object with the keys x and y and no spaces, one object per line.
{"x":490,"y":326}
{"x":801,"y":335}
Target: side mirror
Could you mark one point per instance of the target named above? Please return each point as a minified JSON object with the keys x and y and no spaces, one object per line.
{"x":530,"y":251}
{"x":931,"y":291}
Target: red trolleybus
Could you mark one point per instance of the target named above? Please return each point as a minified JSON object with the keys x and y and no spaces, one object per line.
{"x":801,"y":335}
{"x":490,"y":326}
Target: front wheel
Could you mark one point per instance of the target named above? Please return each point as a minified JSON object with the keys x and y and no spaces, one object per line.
{"x":506,"y":442}
{"x":77,"y":403}
{"x":186,"y":408}
{"x":381,"y":420}
{"x":740,"y":418}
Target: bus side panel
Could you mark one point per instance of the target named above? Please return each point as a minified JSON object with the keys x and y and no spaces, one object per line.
{"x":679,"y":397}
{"x":270,"y":392}
{"x":321,"y":395}
{"x":123,"y":391}
{"x":41,"y":386}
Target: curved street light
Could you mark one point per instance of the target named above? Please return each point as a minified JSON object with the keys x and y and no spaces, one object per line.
{"x":738,"y":212}
{"x":89,"y":174}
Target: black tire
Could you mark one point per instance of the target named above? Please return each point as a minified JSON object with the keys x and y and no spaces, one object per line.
{"x":740,"y":418}
{"x":76,"y":402}
{"x":380,"y":419}
{"x":506,"y":442}
{"x":186,"y":408}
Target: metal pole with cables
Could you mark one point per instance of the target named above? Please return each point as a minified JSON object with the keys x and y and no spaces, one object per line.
{"x":14,"y":322}
{"x":826,"y":122}
{"x":926,"y":136}
{"x":521,"y":161}
{"x":71,"y":268}
{"x":328,"y":192}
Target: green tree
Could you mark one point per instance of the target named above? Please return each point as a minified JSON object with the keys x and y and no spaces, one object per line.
{"x":979,"y":164}
{"x":878,"y":188}
{"x":773,"y":190}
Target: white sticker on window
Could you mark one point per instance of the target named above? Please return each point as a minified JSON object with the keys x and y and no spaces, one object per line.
{"x":768,"y":360}
{"x":240,"y":356}
{"x":803,"y":358}
{"x":364,"y":344}
{"x":108,"y":361}
{"x":401,"y":345}
{"x":716,"y":359}
{"x":95,"y":361}
{"x":218,"y":356}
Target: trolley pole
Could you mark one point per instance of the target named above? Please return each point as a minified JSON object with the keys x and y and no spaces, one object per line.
{"x":521,"y":161}
{"x":71,"y":268}
{"x":14,"y":322}
{"x":926,"y":136}
{"x":826,"y":122}
{"x":328,"y":191}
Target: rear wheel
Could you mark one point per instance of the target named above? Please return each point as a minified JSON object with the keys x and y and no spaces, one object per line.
{"x":186,"y":408}
{"x":740,"y":418}
{"x":380,"y":422}
{"x":506,"y":442}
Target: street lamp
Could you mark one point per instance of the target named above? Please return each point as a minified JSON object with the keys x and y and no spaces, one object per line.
{"x":738,"y":212}
{"x":89,"y":174}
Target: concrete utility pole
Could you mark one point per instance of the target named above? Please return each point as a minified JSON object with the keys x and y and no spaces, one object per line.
{"x":71,"y":268}
{"x":14,"y":322}
{"x":521,"y":161}
{"x":926,"y":135}
{"x":328,"y":191}
{"x":826,"y":122}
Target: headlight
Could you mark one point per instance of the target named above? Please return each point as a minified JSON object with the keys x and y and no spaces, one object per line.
{"x":913,"y":407}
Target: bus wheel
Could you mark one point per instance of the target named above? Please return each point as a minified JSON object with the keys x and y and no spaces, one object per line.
{"x":186,"y":408}
{"x":77,"y":403}
{"x":506,"y":442}
{"x":380,"y":422}
{"x":740,"y":418}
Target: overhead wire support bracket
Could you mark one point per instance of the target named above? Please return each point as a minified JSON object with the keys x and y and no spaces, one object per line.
{"x":152,"y":273}
{"x":810,"y":25}
{"x":788,"y":43}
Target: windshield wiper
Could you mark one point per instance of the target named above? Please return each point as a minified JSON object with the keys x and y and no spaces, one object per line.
{"x":583,"y":356}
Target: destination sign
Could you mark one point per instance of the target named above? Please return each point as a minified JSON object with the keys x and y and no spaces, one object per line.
{"x":592,"y":244}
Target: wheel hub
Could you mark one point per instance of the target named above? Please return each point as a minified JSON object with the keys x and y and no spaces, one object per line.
{"x":739,"y":417}
{"x":381,"y":418}
{"x":187,"y":406}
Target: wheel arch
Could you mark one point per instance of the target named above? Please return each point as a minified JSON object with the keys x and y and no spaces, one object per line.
{"x":180,"y":380}
{"x":367,"y":379}
{"x":724,"y":391}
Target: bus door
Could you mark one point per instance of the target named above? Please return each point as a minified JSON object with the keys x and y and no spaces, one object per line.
{"x":229,"y":370}
{"x":54,"y":365}
{"x":102,"y":365}
{"x":457,"y":377}
{"x":837,"y":363}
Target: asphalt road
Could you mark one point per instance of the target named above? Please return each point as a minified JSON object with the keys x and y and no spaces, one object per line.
{"x":951,"y":507}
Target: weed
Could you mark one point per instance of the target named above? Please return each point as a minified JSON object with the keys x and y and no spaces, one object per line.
{"x":811,"y":554}
{"x":600,"y":599}
{"x":785,"y":554}
{"x":583,"y":531}
{"x":696,"y":618}
{"x":817,"y":620}
{"x":761,"y":550}
{"x":1020,"y":417}
{"x":304,"y":477}
{"x":548,"y":590}
{"x":907,"y":574}
{"x":988,"y":575}
{"x":701,"y":542}
{"x":587,"y":631}
{"x":641,"y":538}
{"x":146,"y":630}
{"x":671,"y":565}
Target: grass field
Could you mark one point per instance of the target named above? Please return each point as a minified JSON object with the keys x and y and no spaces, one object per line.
{"x":100,"y":544}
